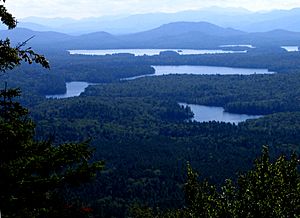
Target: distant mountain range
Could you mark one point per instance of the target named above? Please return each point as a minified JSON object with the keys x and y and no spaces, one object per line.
{"x":194,"y":35}
{"x":237,"y":18}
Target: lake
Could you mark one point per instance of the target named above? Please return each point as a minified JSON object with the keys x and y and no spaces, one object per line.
{"x":290,"y":48}
{"x":206,"y":113}
{"x":207,"y":70}
{"x":150,"y":52}
{"x":202,"y":70}
{"x":240,"y":45}
{"x":73,"y":89}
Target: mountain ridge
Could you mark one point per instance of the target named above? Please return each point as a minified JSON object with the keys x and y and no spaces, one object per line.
{"x":191,"y":35}
{"x":124,"y":24}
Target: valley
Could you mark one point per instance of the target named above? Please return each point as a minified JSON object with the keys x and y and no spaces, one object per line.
{"x":149,"y":99}
{"x":142,"y":133}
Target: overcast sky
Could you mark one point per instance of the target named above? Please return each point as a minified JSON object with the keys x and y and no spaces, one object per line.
{"x":96,"y":8}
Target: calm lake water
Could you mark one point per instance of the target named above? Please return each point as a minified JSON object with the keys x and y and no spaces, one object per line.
{"x":141,"y":52}
{"x":206,"y":113}
{"x":73,"y":89}
{"x":240,"y":45}
{"x":202,"y":70}
{"x":290,"y":48}
{"x":207,"y":70}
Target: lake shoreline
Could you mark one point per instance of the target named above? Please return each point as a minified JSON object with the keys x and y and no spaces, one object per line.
{"x":203,"y":113}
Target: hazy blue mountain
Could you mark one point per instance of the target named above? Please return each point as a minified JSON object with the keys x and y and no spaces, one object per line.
{"x":143,"y":22}
{"x":186,"y":34}
{"x":186,"y":27}
{"x":206,"y":35}
{"x":47,"y":40}
{"x":39,"y":37}
{"x":50,"y":22}
{"x":52,"y":40}
{"x":288,"y":20}
{"x":34,"y":26}
{"x":138,"y":22}
{"x":274,"y":37}
{"x":94,"y":41}
{"x":76,"y":27}
{"x":237,"y":18}
{"x":193,"y":35}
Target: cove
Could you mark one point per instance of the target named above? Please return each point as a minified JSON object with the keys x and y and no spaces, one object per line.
{"x":73,"y":89}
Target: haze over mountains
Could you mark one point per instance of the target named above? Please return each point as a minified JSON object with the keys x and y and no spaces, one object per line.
{"x":237,"y":18}
{"x":188,"y":29}
{"x":179,"y":35}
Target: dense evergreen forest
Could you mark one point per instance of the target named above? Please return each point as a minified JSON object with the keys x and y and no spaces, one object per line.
{"x":112,"y":68}
{"x":142,"y":133}
{"x":127,"y":148}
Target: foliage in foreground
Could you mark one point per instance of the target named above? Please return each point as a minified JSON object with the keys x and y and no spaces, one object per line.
{"x":269,"y":190}
{"x":10,"y":56}
{"x":35,"y":173}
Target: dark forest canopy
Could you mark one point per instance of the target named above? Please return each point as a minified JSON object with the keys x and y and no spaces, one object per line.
{"x":112,"y":68}
{"x":146,"y":144}
{"x":270,"y":189}
{"x":255,"y":94}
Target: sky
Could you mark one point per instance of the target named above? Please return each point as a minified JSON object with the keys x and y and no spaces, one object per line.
{"x":78,"y":9}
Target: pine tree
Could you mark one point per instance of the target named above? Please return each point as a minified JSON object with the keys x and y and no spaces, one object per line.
{"x":33,"y":174}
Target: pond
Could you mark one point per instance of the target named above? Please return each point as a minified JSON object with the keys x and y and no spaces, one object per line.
{"x":207,"y":113}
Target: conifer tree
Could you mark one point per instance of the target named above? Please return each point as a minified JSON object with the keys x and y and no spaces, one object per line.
{"x":33,"y":174}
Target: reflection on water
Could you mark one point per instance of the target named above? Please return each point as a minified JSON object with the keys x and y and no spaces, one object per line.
{"x":206,"y":113}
